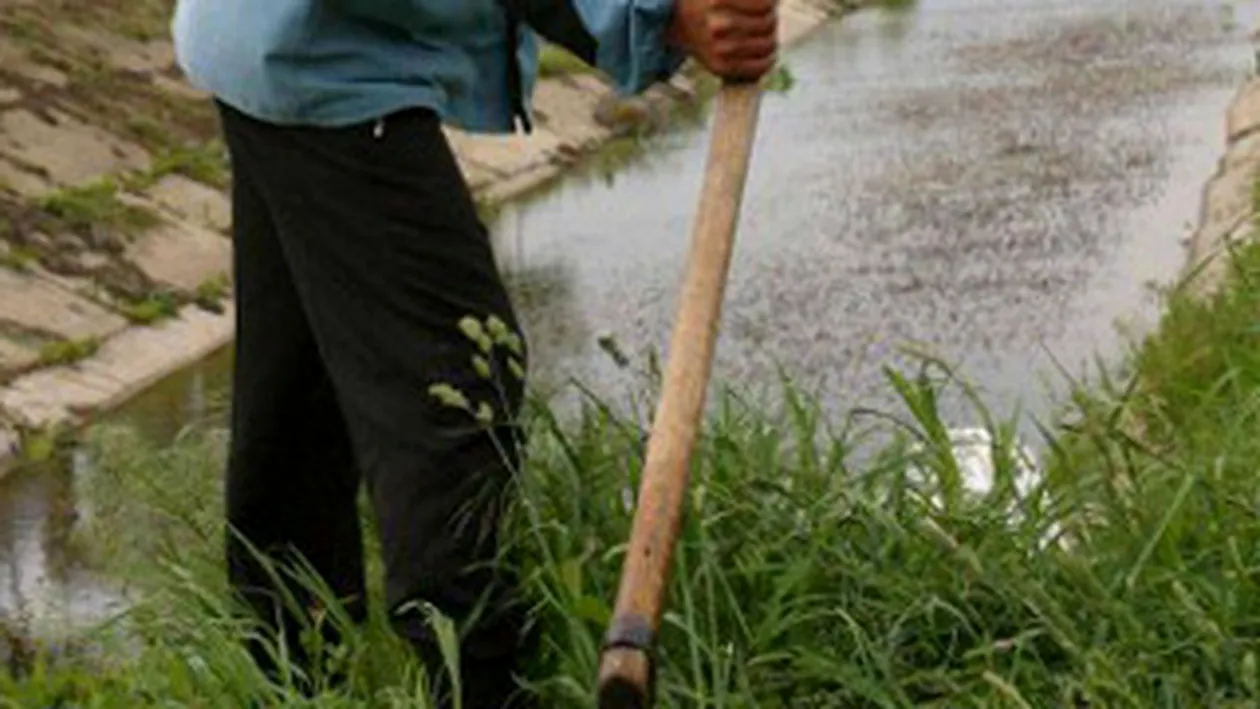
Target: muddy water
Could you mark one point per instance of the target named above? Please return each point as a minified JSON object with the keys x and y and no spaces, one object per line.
{"x":995,"y":181}
{"x":991,"y":180}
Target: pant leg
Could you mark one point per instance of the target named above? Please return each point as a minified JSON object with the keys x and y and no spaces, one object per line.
{"x":388,"y":256}
{"x":292,"y":477}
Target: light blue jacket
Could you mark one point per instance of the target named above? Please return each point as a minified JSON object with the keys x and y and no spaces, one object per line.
{"x":339,"y":62}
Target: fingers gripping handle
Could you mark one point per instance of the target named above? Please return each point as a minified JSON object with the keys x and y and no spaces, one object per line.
{"x":626,"y":676}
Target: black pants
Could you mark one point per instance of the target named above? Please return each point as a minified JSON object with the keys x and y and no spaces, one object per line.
{"x":358,"y":252}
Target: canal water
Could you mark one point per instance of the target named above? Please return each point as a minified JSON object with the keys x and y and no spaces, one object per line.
{"x":998,"y":182}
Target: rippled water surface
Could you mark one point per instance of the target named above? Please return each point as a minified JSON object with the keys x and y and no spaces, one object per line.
{"x":994,"y":181}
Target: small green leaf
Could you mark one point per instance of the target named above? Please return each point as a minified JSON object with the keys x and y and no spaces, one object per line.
{"x":38,"y":447}
{"x":473,"y":330}
{"x":592,"y":610}
{"x":450,"y":396}
{"x":516,"y":369}
{"x":1249,"y":677}
{"x":571,"y":576}
{"x":498,"y":329}
{"x":485,"y":414}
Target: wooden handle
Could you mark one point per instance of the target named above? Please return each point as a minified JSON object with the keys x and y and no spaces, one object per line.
{"x":626,"y":671}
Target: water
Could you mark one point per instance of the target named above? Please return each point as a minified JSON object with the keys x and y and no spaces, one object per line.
{"x":955,"y":177}
{"x":995,"y":180}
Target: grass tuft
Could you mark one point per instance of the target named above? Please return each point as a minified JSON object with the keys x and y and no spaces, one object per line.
{"x":63,"y":352}
{"x":97,"y":205}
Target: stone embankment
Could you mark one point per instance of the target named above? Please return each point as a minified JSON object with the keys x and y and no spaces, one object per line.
{"x":1228,"y":214}
{"x":114,"y":256}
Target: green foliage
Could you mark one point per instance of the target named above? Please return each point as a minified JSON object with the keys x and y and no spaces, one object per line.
{"x":811,"y":571}
{"x":151,"y":309}
{"x":97,"y":204}
{"x":210,"y":293}
{"x":206,"y":163}
{"x":18,"y":258}
{"x":60,"y":352}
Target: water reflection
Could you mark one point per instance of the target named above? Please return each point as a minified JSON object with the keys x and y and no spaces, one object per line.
{"x":41,"y":583}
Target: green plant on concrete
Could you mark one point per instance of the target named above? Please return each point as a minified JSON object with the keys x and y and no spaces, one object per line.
{"x":149,"y":131}
{"x":151,"y":309}
{"x":206,"y":163}
{"x":18,"y":258}
{"x":211,"y":292}
{"x":63,"y":352}
{"x":781,"y":80}
{"x":40,"y":446}
{"x":97,"y":204}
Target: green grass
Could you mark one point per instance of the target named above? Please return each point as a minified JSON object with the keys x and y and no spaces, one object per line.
{"x":211,"y":292}
{"x":97,"y":204}
{"x":811,"y":571}
{"x":151,"y":309}
{"x":206,"y":163}
{"x":18,"y":258}
{"x":809,"y":574}
{"x":61,"y":352}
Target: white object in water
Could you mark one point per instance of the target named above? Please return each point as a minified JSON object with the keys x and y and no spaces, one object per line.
{"x":972,"y":449}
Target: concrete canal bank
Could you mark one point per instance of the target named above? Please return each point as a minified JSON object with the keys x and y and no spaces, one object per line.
{"x":1228,"y":214}
{"x":77,"y":332}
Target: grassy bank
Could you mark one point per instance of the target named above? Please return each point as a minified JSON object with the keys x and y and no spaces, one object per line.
{"x":812,"y":572}
{"x":801,"y":580}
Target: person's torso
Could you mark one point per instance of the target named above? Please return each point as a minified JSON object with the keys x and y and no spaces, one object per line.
{"x":335,"y":62}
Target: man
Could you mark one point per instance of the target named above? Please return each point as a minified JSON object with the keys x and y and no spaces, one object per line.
{"x":358,"y":252}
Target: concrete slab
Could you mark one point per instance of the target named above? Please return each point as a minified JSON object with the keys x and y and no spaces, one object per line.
{"x":67,"y":151}
{"x":1244,"y":113}
{"x":509,"y":154}
{"x":1228,"y":197}
{"x":123,"y":367}
{"x":21,"y":180}
{"x":16,"y":61}
{"x":15,"y":356}
{"x":200,"y":204}
{"x":1246,"y":151}
{"x":569,"y":109}
{"x":181,"y":255}
{"x":35,"y":304}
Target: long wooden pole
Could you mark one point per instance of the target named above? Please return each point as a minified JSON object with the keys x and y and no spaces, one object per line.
{"x":627,"y":672}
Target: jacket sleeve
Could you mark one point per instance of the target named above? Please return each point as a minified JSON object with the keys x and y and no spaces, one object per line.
{"x":625,"y":39}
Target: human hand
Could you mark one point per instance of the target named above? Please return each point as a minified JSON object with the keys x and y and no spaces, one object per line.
{"x":735,"y":39}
